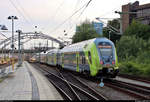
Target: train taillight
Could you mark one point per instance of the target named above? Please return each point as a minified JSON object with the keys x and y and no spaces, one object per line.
{"x":113,"y":62}
{"x":101,"y":62}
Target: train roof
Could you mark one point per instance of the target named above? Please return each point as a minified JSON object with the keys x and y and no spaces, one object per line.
{"x":42,"y":53}
{"x":80,"y":46}
{"x":53,"y":50}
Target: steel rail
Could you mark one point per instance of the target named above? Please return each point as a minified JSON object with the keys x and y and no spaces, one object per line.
{"x":136,"y":85}
{"x":69,"y":85}
{"x":56,"y":86}
{"x":65,"y":94}
{"x":79,"y":89}
{"x":98,"y":94}
{"x":71,"y":89}
{"x":135,"y":78}
{"x":132,"y":87}
{"x":127,"y":89}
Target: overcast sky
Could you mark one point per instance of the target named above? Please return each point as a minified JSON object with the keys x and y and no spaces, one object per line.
{"x":47,"y":15}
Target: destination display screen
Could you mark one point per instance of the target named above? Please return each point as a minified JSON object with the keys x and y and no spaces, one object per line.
{"x":104,"y":45}
{"x":101,"y":46}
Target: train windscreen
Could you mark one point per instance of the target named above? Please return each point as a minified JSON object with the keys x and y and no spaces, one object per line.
{"x":105,"y":49}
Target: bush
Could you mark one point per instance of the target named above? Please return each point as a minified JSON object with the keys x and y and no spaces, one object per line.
{"x":129,"y":46}
{"x":138,"y":29}
{"x":133,"y":50}
{"x":144,"y":57}
{"x":130,"y":67}
{"x":146,"y":68}
{"x":134,"y":68}
{"x":147,"y":71}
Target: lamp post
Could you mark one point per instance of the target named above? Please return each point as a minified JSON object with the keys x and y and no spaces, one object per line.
{"x":109,"y":34}
{"x":12,"y":18}
{"x":39,"y":52}
{"x":12,"y":46}
{"x":19,"y":50}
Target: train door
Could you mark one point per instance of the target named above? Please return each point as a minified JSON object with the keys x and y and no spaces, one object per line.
{"x":62,"y":59}
{"x":77,"y":60}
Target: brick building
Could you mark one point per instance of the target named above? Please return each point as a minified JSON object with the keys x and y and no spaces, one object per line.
{"x":142,"y":14}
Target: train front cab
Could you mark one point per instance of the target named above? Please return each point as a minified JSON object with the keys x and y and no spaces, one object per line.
{"x":108,"y":59}
{"x":91,"y":60}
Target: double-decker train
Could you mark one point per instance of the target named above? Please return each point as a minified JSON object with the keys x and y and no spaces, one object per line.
{"x":95,"y":57}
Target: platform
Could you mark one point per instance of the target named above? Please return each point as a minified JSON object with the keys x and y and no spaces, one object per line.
{"x":27,"y":83}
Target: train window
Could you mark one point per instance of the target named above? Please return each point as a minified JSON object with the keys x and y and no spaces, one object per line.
{"x":105,"y":48}
{"x":80,"y":59}
{"x":65,"y":58}
{"x":90,"y":59}
{"x":83,"y":60}
{"x":73,"y":58}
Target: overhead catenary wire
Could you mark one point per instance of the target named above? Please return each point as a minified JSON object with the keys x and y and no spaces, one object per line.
{"x":108,"y":18}
{"x":21,"y":14}
{"x":77,"y":3}
{"x":84,"y":8}
{"x":56,"y":11}
{"x":24,"y":11}
{"x":80,"y":14}
{"x":106,"y":13}
{"x":85,"y":5}
{"x":3,"y":35}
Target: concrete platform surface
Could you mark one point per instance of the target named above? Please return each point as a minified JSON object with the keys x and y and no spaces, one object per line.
{"x":27,"y":83}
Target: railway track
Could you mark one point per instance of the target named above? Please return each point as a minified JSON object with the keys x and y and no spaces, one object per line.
{"x":134,"y":90}
{"x":142,"y":79}
{"x":71,"y":87}
{"x":140,"y":92}
{"x":81,"y":91}
{"x":139,"y":86}
{"x":76,"y":81}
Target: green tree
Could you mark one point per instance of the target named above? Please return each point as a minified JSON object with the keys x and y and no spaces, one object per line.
{"x":129,"y":47}
{"x":133,"y":50}
{"x":115,"y":23}
{"x":106,"y":30}
{"x":84,"y":31}
{"x":138,"y":29}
